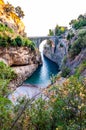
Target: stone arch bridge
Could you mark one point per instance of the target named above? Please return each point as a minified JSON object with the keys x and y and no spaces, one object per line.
{"x":38,"y":39}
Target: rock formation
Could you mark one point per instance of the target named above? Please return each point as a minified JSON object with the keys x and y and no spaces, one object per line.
{"x":23,"y":60}
{"x":15,"y":56}
{"x":59,"y":52}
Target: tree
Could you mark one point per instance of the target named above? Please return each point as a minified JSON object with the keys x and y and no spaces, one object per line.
{"x":8,"y":8}
{"x":51,"y":33}
{"x":19,"y":12}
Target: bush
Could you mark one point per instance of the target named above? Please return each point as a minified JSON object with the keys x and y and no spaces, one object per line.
{"x":80,"y":68}
{"x":3,"y":42}
{"x":79,"y":22}
{"x":5,"y":28}
{"x":70,"y":36}
{"x":64,"y":109}
{"x":28,"y":43}
{"x":65,"y":71}
{"x":82,"y":32}
{"x":60,"y":30}
{"x":19,"y":41}
{"x":13,"y":43}
{"x":78,"y":44}
{"x":6,"y":75}
{"x":6,"y":72}
{"x":6,"y":113}
{"x":6,"y":109}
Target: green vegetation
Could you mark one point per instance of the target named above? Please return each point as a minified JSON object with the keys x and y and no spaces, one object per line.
{"x":80,"y":68}
{"x":8,"y":8}
{"x":70,"y":35}
{"x":57,"y":31}
{"x":64,"y":110}
{"x":6,"y":111}
{"x":78,"y":45}
{"x":5,"y":28}
{"x":60,"y":30}
{"x":19,"y":12}
{"x":65,"y":71}
{"x":28,"y":43}
{"x":51,"y":33}
{"x":6,"y":72}
{"x":6,"y":41}
{"x":6,"y":75}
{"x":79,"y":22}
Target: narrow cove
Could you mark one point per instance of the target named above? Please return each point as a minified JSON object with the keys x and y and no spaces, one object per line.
{"x":41,"y":77}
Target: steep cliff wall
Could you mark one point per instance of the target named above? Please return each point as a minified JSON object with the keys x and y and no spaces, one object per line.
{"x":10,"y":19}
{"x":69,"y":53}
{"x":23,"y":60}
{"x":15,"y":56}
{"x":57,"y":54}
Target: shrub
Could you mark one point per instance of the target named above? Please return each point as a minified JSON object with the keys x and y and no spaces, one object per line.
{"x":19,"y":41}
{"x":70,"y":36}
{"x":61,"y":45}
{"x":3,"y":41}
{"x":64,"y":109}
{"x":6,"y":109}
{"x":65,"y":60}
{"x":79,"y":22}
{"x":28,"y":43}
{"x":82,"y":32}
{"x":13,"y":43}
{"x":6,"y":72}
{"x":5,"y":28}
{"x":60,"y":30}
{"x":65,"y":71}
{"x":6,"y":113}
{"x":78,"y":45}
{"x":80,"y":68}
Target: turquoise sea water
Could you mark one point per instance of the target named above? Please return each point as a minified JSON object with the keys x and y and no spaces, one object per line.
{"x":41,"y":77}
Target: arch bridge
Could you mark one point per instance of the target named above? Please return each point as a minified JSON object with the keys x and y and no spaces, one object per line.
{"x":38,"y":39}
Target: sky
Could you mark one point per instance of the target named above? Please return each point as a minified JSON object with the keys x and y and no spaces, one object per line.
{"x":42,"y":15}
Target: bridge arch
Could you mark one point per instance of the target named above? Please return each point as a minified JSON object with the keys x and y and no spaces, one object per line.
{"x":38,"y":40}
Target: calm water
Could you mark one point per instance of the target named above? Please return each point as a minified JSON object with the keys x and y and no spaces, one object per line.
{"x":41,"y":76}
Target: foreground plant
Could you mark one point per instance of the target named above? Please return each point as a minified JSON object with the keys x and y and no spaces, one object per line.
{"x":64,"y":109}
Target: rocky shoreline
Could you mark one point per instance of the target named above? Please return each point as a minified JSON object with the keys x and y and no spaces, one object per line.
{"x":23,"y":72}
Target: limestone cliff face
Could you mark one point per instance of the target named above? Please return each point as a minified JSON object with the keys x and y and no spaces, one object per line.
{"x":23,"y":72}
{"x":23,"y":60}
{"x":11,"y":19}
{"x":15,"y":56}
{"x":57,"y":53}
{"x":73,"y":64}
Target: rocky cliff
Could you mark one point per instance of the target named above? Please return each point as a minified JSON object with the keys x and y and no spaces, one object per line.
{"x":60,"y":50}
{"x":10,"y":18}
{"x":69,"y":53}
{"x":18,"y":56}
{"x":23,"y":60}
{"x":16,"y":50}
